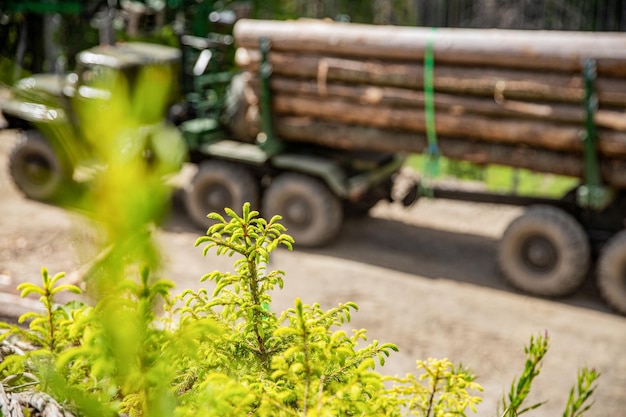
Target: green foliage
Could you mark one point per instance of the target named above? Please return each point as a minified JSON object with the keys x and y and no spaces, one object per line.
{"x":224,"y":354}
{"x":221,"y":354}
{"x":513,"y":404}
{"x":49,"y":330}
{"x":535,"y":353}
{"x":577,"y":403}
{"x":448,"y":388}
{"x":228,"y":354}
{"x":243,"y":296}
{"x":294,"y":363}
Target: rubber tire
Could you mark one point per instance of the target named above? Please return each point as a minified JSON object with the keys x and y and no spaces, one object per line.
{"x":33,"y":149}
{"x":235,"y":183}
{"x":611,"y":278}
{"x":558,"y":232}
{"x":322,"y":208}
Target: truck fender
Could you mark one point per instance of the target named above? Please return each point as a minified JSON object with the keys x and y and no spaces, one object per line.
{"x":14,"y":110}
{"x":327,"y":171}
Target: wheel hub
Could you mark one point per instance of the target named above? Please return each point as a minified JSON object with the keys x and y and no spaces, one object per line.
{"x":298,"y":212}
{"x":539,"y":254}
{"x":36,"y":169}
{"x":218,"y":197}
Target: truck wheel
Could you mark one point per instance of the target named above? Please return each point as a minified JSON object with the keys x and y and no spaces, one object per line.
{"x":35,"y":168}
{"x":545,"y":252}
{"x":612,"y":272}
{"x":310,"y":212}
{"x":217,"y":185}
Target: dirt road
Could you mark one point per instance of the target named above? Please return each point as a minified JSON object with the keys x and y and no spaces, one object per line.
{"x":424,"y":279}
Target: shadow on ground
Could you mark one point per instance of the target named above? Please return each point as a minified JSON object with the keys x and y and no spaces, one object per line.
{"x":415,"y":250}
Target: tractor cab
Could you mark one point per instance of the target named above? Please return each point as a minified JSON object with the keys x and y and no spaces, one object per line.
{"x":65,"y":120}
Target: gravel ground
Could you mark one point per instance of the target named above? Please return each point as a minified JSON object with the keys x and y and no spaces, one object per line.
{"x":424,"y":278}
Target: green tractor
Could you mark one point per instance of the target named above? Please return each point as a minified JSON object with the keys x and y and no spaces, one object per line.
{"x":62,"y":118}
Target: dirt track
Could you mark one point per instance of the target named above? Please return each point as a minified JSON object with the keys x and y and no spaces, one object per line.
{"x":424,"y":278}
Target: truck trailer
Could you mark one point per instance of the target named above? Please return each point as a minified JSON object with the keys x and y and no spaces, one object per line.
{"x":317,"y":117}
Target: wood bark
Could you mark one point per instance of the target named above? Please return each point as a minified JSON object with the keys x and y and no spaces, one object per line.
{"x":537,"y":50}
{"x":489,"y":82}
{"x":346,"y":137}
{"x":541,"y":133}
{"x":538,"y":134}
{"x":502,"y":97}
{"x":453,"y":104}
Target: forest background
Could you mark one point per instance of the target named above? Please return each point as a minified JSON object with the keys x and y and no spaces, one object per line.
{"x":58,"y":31}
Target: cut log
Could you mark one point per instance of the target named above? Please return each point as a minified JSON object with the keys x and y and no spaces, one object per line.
{"x":537,"y":50}
{"x":540,"y":134}
{"x":490,"y":82}
{"x":454,"y":104}
{"x":501,"y":96}
{"x":356,"y":138}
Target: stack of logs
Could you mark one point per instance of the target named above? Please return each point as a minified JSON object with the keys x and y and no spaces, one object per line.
{"x":500,"y":96}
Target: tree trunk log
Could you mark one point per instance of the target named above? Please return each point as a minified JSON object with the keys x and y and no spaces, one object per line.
{"x":536,"y":50}
{"x":454,"y":104}
{"x":357,"y":137}
{"x":501,"y":96}
{"x":489,"y":82}
{"x":539,"y":134}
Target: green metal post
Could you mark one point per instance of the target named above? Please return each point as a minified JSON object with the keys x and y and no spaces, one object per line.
{"x":593,"y":194}
{"x":199,"y":12}
{"x":267,"y":139}
{"x":592,"y":170}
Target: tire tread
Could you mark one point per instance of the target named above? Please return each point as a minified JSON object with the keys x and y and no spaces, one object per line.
{"x":611,"y":279}
{"x":574,"y":243}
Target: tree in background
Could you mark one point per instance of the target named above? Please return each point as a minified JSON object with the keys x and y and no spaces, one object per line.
{"x":515,"y":14}
{"x":32,"y":40}
{"x":34,"y":36}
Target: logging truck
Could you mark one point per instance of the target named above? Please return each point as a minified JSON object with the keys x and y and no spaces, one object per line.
{"x":550,"y":102}
{"x":318,"y":117}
